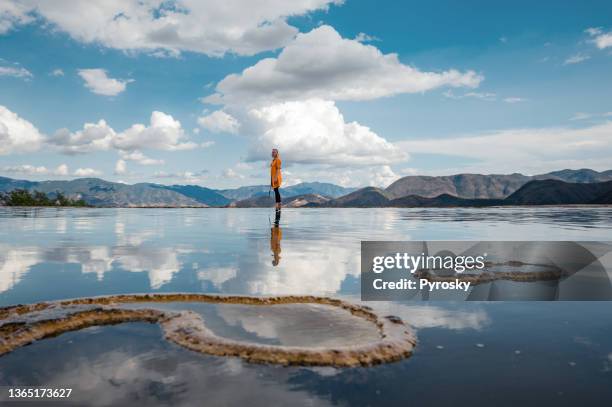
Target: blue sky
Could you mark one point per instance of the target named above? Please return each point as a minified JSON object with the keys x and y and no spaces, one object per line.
{"x":354,"y":92}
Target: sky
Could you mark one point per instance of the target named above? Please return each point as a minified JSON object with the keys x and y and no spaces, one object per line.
{"x":353,"y":92}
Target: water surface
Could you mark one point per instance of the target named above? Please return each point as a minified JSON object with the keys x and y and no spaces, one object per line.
{"x":514,"y":353}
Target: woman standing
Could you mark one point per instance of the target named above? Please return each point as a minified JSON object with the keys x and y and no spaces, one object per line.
{"x":276,"y":178}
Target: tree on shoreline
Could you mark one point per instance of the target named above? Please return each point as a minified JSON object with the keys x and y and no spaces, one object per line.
{"x":23,"y":197}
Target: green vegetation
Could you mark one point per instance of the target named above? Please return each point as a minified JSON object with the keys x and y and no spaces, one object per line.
{"x":23,"y":197}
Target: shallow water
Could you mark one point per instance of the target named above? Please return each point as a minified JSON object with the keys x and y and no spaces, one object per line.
{"x":526,"y":353}
{"x":303,"y":325}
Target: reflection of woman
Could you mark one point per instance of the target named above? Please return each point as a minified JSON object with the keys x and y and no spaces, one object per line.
{"x":276,"y":178}
{"x":276,"y":234}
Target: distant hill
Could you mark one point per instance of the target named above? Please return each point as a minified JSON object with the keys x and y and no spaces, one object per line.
{"x":537,"y":192}
{"x":241,"y":193}
{"x":203,"y":195}
{"x":603,"y":199}
{"x":461,"y":185}
{"x":369,"y":197}
{"x":583,"y":186}
{"x":494,"y":186}
{"x":98,"y":192}
{"x":9,"y":184}
{"x":554,"y":192}
{"x":318,"y":188}
{"x":583,"y":175}
{"x":442,"y":201}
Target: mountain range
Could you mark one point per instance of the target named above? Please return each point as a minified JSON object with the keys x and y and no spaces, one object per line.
{"x":98,"y":192}
{"x":535,"y":192}
{"x":304,"y":188}
{"x":570,"y":186}
{"x":494,"y":186}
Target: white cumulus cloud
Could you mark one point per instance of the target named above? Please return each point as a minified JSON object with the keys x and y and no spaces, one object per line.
{"x":382,"y":176}
{"x":600,"y":38}
{"x":15,"y":71}
{"x":324,"y":65}
{"x":231,"y":174}
{"x":61,"y":169}
{"x":351,"y":176}
{"x":27,"y":169}
{"x":363,"y":37}
{"x":219,"y":122}
{"x":17,"y":134}
{"x":576,"y":59}
{"x":314,"y":131}
{"x":87,"y":172}
{"x":191,"y":177}
{"x":98,"y":81}
{"x":289,"y":101}
{"x":13,"y":13}
{"x":120,"y":167}
{"x":165,"y":28}
{"x":139,"y":157}
{"x":163,"y":133}
{"x":93,"y":137}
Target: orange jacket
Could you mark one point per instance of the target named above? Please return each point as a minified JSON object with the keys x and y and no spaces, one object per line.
{"x":276,"y":177}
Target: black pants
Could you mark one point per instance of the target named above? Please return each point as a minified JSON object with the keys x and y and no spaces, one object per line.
{"x":277,"y":195}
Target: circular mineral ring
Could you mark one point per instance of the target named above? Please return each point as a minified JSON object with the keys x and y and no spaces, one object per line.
{"x":187,"y":329}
